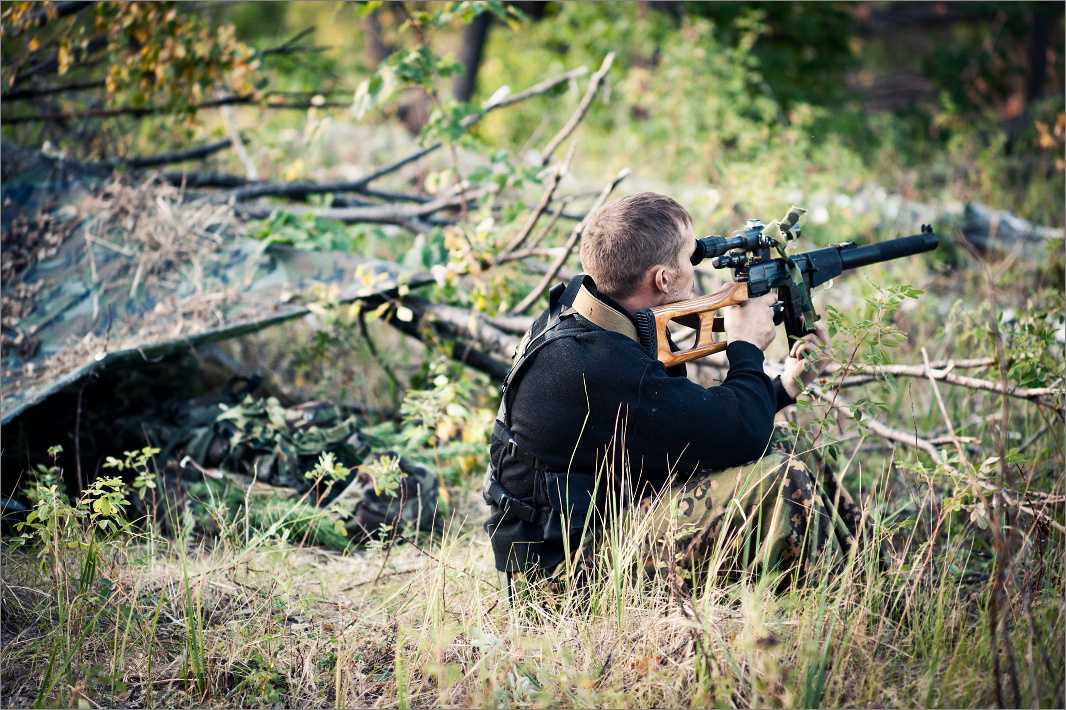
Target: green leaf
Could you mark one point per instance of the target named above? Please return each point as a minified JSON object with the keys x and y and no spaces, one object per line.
{"x":365,"y":8}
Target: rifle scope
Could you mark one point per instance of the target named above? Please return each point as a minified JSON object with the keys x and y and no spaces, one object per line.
{"x":713,"y":246}
{"x":749,"y":240}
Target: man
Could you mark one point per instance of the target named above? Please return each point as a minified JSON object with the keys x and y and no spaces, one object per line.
{"x":591,"y":424}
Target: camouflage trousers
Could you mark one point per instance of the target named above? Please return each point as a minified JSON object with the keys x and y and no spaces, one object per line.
{"x":785,"y":514}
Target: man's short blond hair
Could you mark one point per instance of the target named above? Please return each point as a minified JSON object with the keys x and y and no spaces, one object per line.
{"x":627,"y":237}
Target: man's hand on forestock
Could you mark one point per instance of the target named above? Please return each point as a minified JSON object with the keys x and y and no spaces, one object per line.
{"x":752,"y":321}
{"x":798,"y":367}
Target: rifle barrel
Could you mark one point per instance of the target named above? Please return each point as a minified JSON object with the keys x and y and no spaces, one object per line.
{"x":855,"y":257}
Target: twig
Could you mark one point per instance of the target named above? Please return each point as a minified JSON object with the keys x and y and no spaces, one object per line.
{"x":551,"y":222}
{"x":165,"y":158}
{"x":567,"y":248}
{"x":77,"y":439}
{"x":935,"y":452}
{"x":361,"y":319}
{"x":47,"y":90}
{"x":287,"y":45}
{"x":545,"y":200}
{"x":266,"y":189}
{"x":583,"y":107}
{"x":387,"y":214}
{"x":536,"y":89}
{"x":142,"y":111}
{"x":382,"y":576}
{"x":948,"y":423}
{"x":238,"y":145}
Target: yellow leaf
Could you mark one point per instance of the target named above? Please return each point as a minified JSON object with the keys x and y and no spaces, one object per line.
{"x":64,"y":59}
{"x":34,"y":45}
{"x":446,"y":430}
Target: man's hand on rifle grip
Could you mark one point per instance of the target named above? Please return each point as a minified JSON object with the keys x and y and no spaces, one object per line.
{"x":817,"y":343}
{"x":752,"y":321}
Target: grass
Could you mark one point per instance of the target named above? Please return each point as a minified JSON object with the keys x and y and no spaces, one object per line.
{"x":253,"y":622}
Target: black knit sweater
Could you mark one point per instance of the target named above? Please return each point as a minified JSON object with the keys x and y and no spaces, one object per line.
{"x":600,"y":396}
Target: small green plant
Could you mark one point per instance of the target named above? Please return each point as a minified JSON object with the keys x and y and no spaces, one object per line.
{"x":386,"y":473}
{"x":136,"y":461}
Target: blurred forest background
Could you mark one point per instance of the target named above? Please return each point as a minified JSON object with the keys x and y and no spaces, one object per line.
{"x":477,"y":122}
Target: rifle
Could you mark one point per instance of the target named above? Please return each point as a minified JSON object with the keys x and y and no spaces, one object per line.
{"x":755,"y":273}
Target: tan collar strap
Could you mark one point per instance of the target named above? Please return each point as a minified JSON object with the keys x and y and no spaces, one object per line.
{"x":603,"y":315}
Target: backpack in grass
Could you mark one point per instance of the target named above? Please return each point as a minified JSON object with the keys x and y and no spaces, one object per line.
{"x":278,"y":445}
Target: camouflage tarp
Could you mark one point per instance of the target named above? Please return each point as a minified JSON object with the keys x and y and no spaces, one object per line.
{"x":98,"y":272}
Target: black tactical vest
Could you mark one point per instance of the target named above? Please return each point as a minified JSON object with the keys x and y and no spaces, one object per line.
{"x":539,"y":507}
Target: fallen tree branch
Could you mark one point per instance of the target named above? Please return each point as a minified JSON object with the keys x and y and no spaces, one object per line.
{"x":895,"y":369}
{"x":48,"y":90}
{"x":461,"y":351}
{"x":943,"y":372}
{"x":165,"y":158}
{"x":381,"y":214}
{"x":531,"y":221}
{"x":300,"y":190}
{"x":266,"y":189}
{"x":516,"y":325}
{"x":202,"y":179}
{"x":550,"y":223}
{"x":58,"y":11}
{"x":52,"y":62}
{"x":836,"y":401}
{"x":142,"y":111}
{"x":545,"y":282}
{"x":455,"y":321}
{"x":230,"y":123}
{"x":583,"y":107}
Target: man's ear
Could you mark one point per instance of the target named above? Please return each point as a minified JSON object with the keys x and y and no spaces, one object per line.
{"x":662,"y":279}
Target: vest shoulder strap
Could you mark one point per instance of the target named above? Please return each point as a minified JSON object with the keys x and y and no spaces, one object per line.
{"x":577,"y":296}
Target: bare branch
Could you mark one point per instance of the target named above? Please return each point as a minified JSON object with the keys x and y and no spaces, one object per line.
{"x":265,"y":189}
{"x":402,"y":215}
{"x":567,"y":248}
{"x":165,"y":158}
{"x":443,"y":322}
{"x":238,"y":145}
{"x":943,"y":372}
{"x":551,"y":222}
{"x":836,"y":401}
{"x":583,"y":107}
{"x":47,"y":90}
{"x":540,"y":88}
{"x":142,"y":111}
{"x":535,"y":215}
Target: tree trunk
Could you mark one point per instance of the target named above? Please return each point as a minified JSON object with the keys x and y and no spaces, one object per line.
{"x":470,"y":53}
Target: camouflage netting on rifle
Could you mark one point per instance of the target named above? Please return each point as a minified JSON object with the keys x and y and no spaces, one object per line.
{"x":259,"y":454}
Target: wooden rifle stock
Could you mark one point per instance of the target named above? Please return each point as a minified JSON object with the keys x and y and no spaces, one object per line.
{"x":697,"y":313}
